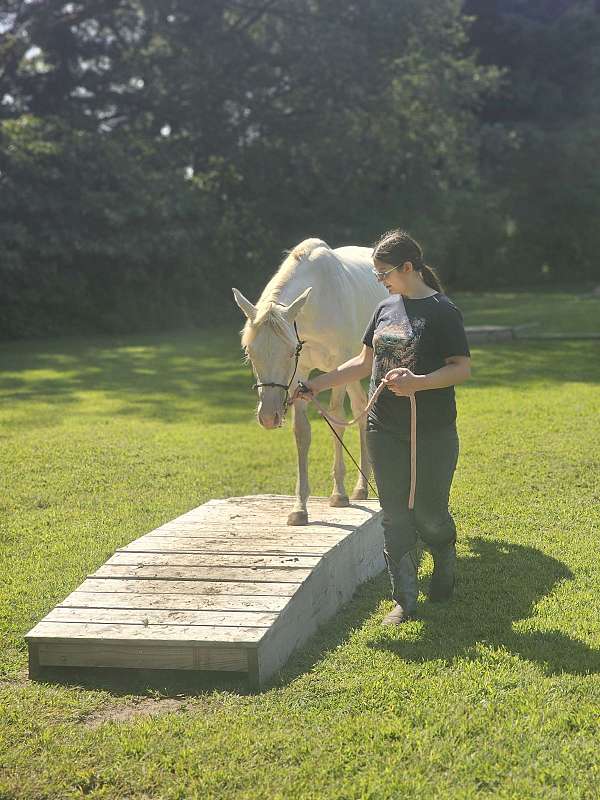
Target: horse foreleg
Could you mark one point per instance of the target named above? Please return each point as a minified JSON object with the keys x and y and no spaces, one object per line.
{"x":299,"y":514}
{"x":338,"y":498}
{"x":358,"y":401}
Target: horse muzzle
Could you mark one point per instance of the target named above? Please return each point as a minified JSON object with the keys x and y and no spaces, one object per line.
{"x":270,"y":420}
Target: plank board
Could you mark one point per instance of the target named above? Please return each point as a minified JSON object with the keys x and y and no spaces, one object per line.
{"x":181,"y":602}
{"x":226,"y":586}
{"x":196,"y":544}
{"x":163,"y":616}
{"x":113,"y":632}
{"x":253,"y":574}
{"x":176,"y":558}
{"x":215,"y":589}
{"x":122,"y":654}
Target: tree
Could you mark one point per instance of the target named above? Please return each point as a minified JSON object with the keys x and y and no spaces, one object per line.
{"x":151,"y":149}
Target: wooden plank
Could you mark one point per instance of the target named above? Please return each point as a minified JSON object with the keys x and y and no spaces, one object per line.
{"x":272,"y":506}
{"x":248,"y":501}
{"x":168,"y":544}
{"x":269,"y":507}
{"x":248,"y":537}
{"x":181,"y":602}
{"x":221,"y":574}
{"x":192,"y":635}
{"x":254,"y":529}
{"x":99,"y":654}
{"x":329,"y":586}
{"x":179,"y":559}
{"x":214,"y":589}
{"x":160,"y":616}
{"x":225,"y":586}
{"x":228,"y":540}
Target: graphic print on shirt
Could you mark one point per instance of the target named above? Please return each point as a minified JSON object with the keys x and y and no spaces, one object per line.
{"x":395,"y":345}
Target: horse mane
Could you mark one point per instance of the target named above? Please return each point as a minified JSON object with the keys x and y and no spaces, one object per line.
{"x":268,"y":305}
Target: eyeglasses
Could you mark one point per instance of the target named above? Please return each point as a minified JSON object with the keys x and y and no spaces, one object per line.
{"x":381,"y":275}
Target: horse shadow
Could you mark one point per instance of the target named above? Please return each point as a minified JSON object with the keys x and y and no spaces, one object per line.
{"x":499,"y":585}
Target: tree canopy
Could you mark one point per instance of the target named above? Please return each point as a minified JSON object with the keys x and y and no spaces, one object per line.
{"x":152,"y":153}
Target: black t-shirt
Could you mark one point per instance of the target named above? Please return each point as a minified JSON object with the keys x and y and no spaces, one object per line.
{"x":437,"y":333}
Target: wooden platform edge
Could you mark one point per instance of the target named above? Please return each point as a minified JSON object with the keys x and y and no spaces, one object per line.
{"x":330,"y":586}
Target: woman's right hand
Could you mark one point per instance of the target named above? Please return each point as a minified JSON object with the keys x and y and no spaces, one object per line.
{"x":304,"y":391}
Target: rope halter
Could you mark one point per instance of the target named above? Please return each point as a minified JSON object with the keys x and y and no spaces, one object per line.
{"x":299,"y":344}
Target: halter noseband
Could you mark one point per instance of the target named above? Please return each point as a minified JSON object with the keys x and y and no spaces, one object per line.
{"x":299,"y":344}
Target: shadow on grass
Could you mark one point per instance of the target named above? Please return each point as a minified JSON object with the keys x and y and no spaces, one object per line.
{"x":521,"y":362}
{"x":171,"y":376}
{"x":157,"y":683}
{"x":154,"y":376}
{"x":498,"y":586}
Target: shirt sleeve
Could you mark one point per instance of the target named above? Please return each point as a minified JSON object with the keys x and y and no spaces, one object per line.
{"x":451,"y":334}
{"x":369,"y":333}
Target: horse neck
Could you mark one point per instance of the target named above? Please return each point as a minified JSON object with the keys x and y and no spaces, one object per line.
{"x":293,"y":287}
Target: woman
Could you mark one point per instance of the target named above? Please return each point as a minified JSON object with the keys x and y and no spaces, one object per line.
{"x":415,"y":344}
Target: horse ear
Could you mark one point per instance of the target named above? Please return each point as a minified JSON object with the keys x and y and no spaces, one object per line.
{"x":292,"y":311}
{"x":246,"y":306}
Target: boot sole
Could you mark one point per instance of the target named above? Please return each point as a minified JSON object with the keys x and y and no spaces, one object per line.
{"x":389,"y":621}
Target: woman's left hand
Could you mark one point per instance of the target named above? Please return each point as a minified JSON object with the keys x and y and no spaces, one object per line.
{"x":403,"y":382}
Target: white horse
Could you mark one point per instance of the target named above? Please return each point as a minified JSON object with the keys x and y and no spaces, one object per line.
{"x":331,"y":295}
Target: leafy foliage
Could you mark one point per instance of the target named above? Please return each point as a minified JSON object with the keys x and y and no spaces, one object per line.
{"x":540,"y":168}
{"x":152,"y":153}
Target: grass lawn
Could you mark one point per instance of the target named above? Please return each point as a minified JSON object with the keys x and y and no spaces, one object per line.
{"x":494,"y":695}
{"x":545,"y":312}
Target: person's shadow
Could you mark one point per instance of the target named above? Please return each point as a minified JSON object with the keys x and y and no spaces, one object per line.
{"x":497,"y":587}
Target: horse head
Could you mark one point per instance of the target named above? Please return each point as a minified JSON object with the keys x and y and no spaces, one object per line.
{"x":271,"y":345}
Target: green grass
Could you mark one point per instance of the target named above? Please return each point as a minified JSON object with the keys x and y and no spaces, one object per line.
{"x":494,"y":695}
{"x":546,"y":312}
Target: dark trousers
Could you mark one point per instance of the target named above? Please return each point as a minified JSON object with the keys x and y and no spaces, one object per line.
{"x":437,"y":456}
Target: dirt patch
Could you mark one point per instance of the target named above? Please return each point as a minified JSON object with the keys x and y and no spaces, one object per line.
{"x":144,"y":707}
{"x":21,"y":678}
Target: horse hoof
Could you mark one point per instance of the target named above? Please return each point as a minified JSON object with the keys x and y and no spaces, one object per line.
{"x":360,"y":494}
{"x":339,"y":500}
{"x":298,"y":518}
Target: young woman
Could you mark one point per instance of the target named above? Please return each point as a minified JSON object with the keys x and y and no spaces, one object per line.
{"x":415,"y":344}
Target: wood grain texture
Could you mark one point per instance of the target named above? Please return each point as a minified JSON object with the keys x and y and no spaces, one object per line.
{"x":175,"y":601}
{"x":163,"y":616}
{"x":252,"y":574}
{"x":122,"y":654}
{"x":226,"y":586}
{"x":176,"y":558}
{"x":213,"y":589}
{"x":197,"y":635}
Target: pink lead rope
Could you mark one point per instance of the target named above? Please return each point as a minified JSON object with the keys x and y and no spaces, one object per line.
{"x":413,"y":433}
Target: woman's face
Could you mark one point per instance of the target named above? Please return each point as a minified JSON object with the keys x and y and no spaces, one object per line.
{"x":393,"y":278}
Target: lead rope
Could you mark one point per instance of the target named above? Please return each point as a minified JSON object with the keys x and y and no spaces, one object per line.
{"x":346,"y":424}
{"x":331,"y":421}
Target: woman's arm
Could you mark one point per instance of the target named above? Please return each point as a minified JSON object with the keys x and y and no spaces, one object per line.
{"x":352,"y":370}
{"x":403,"y":382}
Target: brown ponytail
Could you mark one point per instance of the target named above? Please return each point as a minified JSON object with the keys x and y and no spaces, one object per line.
{"x":397,"y":246}
{"x":431,"y":278}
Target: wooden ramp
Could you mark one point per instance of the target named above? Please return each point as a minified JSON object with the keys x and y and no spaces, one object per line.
{"x":227,"y":586}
